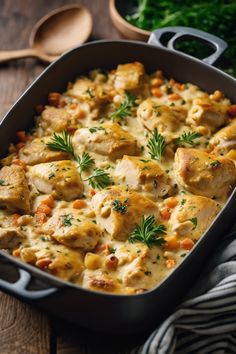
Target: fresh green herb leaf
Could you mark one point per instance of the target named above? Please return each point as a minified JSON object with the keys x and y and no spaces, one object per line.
{"x":187,"y":138}
{"x":2,"y":182}
{"x":183,"y":201}
{"x":95,"y":129}
{"x":215,"y":163}
{"x":125,"y":107}
{"x":62,"y":142}
{"x":67,"y":219}
{"x":148,"y":232}
{"x":99,"y":179}
{"x":52,"y":174}
{"x":85,"y":161}
{"x":148,"y":273}
{"x":89,"y":92}
{"x":112,"y":249}
{"x":194,"y":222}
{"x":119,"y":206}
{"x":156,"y":145}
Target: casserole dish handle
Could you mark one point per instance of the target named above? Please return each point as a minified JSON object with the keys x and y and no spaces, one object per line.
{"x":182,"y":33}
{"x":19,"y":287}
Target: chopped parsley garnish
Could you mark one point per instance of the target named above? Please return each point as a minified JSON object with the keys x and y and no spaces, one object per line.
{"x":52,"y":174}
{"x":2,"y":182}
{"x":95,"y":129}
{"x":125,"y":107}
{"x":89,"y":92}
{"x":183,"y":201}
{"x":194,"y":222}
{"x":156,"y":145}
{"x":169,"y":90}
{"x":148,"y":232}
{"x":99,"y":179}
{"x":67,"y":219}
{"x":119,"y":206}
{"x":187,"y":138}
{"x":215,"y":163}
{"x":112,"y":249}
{"x":148,"y":273}
{"x":44,"y":238}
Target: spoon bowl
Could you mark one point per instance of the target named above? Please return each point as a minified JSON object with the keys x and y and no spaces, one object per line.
{"x":58,"y":31}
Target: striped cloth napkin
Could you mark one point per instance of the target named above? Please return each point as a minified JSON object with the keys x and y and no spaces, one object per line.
{"x":205,"y":323}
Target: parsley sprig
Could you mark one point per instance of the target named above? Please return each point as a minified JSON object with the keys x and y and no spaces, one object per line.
{"x":63,"y":142}
{"x":148,"y":232}
{"x":124,"y":109}
{"x":187,"y":138}
{"x":99,"y":179}
{"x":156,"y":145}
{"x":119,"y":206}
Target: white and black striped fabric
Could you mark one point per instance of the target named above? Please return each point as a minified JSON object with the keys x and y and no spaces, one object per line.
{"x":205,"y":323}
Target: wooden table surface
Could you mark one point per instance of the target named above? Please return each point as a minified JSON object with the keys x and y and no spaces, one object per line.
{"x":24,"y":329}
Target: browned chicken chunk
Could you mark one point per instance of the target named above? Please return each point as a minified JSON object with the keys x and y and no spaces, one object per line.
{"x":129,"y":76}
{"x":119,"y":210}
{"x":10,"y":237}
{"x":143,"y":175}
{"x":108,"y":140}
{"x":204,"y":174}
{"x":14,"y":191}
{"x":59,"y":178}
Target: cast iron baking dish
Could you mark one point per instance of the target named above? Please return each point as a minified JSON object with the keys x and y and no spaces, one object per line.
{"x":117,"y":313}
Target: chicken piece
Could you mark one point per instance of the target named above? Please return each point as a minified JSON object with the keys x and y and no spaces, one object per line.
{"x":204,"y":174}
{"x":14,"y":190}
{"x":108,"y":139}
{"x":167,"y":120}
{"x":99,"y":280}
{"x":54,"y":120}
{"x":36,"y":151}
{"x":68,"y":227}
{"x":143,"y":175}
{"x":10,"y":237}
{"x":225,"y":139}
{"x":119,"y":210}
{"x":129,"y":76}
{"x":192,"y":215}
{"x":86,"y":90}
{"x":208,"y":113}
{"x":60,"y":178}
{"x":59,"y":260}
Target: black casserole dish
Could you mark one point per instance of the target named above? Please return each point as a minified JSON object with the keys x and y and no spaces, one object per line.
{"x":92,"y":309}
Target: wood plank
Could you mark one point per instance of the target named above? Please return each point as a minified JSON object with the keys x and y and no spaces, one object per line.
{"x":23,"y":329}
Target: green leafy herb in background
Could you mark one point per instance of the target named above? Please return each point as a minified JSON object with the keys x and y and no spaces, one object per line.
{"x":216,"y":16}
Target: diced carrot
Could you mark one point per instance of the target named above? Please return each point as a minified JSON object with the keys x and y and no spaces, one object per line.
{"x":170,"y":263}
{"x":43,"y":209}
{"x":165,"y":213}
{"x":79,"y":204}
{"x":232,"y":111}
{"x":20,"y":145}
{"x":41,"y":218}
{"x":171,"y":202}
{"x":103,"y":248}
{"x":16,"y":253}
{"x":14,"y":218}
{"x":54,"y":99}
{"x":171,"y":243}
{"x":186,"y":244}
{"x":43,"y":262}
{"x":21,"y":135}
{"x":19,"y":163}
{"x":91,"y":192}
{"x":49,"y":201}
{"x":179,"y":86}
{"x":156,"y":82}
{"x":156,"y":92}
{"x":39,"y":109}
{"x":174,"y":97}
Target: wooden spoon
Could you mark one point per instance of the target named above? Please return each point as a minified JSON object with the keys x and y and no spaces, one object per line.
{"x":58,"y":31}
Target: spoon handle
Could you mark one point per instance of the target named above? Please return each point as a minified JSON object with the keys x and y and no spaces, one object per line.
{"x":17,"y":54}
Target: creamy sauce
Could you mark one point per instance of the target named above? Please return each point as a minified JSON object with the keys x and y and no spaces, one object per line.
{"x":71,"y":228}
